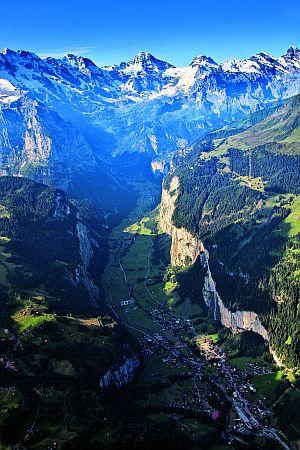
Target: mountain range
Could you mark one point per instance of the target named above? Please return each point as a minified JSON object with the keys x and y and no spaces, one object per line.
{"x":144,"y":105}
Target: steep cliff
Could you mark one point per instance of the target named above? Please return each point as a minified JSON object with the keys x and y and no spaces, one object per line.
{"x":48,"y":244}
{"x":237,"y":320}
{"x":185,"y":247}
{"x":185,"y":250}
{"x":82,"y":271}
{"x":37,"y":142}
{"x":121,"y":375}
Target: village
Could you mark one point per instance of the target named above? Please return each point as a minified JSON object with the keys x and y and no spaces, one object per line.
{"x":234,"y":383}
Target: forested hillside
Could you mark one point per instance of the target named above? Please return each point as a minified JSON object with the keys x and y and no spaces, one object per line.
{"x":43,"y":240}
{"x":56,"y":339}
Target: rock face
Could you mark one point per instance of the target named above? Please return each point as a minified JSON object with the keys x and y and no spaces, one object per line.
{"x":86,"y":253}
{"x":63,"y":210}
{"x":158,"y":166}
{"x":237,"y":320}
{"x":185,"y":250}
{"x":276,"y":358}
{"x":38,"y":143}
{"x":121,"y":375}
{"x":185,"y":247}
{"x":50,"y":241}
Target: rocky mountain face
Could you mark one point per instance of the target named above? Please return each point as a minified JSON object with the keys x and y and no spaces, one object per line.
{"x":145,"y":105}
{"x":185,"y":250}
{"x":37,"y":141}
{"x":120,"y":376}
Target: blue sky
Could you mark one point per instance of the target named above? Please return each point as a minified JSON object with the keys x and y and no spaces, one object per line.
{"x":174,"y":30}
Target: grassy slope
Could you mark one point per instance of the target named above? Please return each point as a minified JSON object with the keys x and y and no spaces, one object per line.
{"x":282,"y":126}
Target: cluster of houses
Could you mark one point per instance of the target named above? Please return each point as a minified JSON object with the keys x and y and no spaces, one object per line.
{"x":10,"y":365}
{"x":238,"y":385}
{"x":167,"y":321}
{"x":210,"y":350}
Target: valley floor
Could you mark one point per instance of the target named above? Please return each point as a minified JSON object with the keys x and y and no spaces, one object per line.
{"x":195,"y":388}
{"x":187,"y":380}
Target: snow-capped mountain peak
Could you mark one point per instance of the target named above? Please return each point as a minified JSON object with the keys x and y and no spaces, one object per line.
{"x":293,"y":51}
{"x":144,"y":61}
{"x":204,"y":61}
{"x":6,"y":51}
{"x":142,"y":57}
{"x":146,"y":104}
{"x":265,"y":63}
{"x":264,"y":59}
{"x":20,"y":54}
{"x":83,"y":65}
{"x":78,"y":61}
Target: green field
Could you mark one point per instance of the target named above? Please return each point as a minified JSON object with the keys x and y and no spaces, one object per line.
{"x":240,"y":363}
{"x":145,"y":226}
{"x":291,"y":224}
{"x":266,"y":386}
{"x":30,"y":315}
{"x":213,"y":337}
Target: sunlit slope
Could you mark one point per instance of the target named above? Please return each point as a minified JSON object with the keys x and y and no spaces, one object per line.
{"x":281,"y":126}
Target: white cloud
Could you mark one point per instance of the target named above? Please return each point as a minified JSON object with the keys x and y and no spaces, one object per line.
{"x":82,"y":51}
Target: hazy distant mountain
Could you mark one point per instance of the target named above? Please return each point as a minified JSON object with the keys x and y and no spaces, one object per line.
{"x":145,"y":105}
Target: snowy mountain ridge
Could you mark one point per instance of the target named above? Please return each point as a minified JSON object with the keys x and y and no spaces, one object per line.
{"x":147,"y":105}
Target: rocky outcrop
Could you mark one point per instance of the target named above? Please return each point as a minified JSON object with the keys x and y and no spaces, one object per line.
{"x":160,"y":166}
{"x":236,"y":320}
{"x":157,"y":166}
{"x":276,"y":358}
{"x":120,"y":376}
{"x":185,"y":247}
{"x":36,"y":142}
{"x":62,"y":207}
{"x":82,"y":271}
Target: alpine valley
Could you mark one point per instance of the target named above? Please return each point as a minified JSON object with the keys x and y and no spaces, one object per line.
{"x":149,"y":253}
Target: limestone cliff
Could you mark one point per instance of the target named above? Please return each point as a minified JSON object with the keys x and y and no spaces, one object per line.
{"x":185,"y":247}
{"x":120,"y":376}
{"x":82,"y":271}
{"x":236,"y":320}
{"x":185,"y":250}
{"x":37,"y":143}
